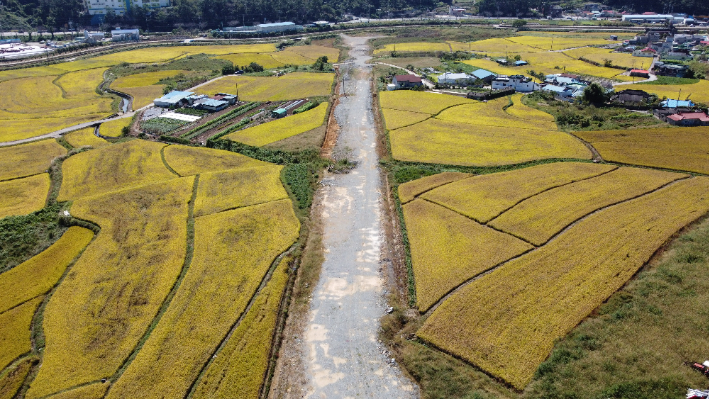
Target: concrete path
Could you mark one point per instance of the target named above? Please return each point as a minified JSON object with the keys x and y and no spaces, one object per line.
{"x":341,"y":352}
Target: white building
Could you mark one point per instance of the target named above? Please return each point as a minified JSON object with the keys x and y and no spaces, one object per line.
{"x":122,"y":35}
{"x":646,"y":19}
{"x":455,"y":78}
{"x":518,"y":82}
{"x":121,"y":6}
{"x":263,"y":28}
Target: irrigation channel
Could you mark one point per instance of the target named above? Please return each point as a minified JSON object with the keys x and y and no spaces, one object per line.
{"x":341,"y":356}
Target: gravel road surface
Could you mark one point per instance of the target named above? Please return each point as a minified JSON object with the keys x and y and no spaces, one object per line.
{"x":342,"y":356}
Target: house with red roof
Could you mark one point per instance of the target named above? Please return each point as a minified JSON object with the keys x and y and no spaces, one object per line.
{"x":688,"y":119}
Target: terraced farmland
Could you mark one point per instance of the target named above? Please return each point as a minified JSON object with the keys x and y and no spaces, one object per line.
{"x":282,"y":128}
{"x":147,"y":275}
{"x":464,"y":132}
{"x":287,"y":87}
{"x":582,"y":229}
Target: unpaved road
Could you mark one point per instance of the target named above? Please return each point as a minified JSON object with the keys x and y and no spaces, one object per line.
{"x":341,"y":356}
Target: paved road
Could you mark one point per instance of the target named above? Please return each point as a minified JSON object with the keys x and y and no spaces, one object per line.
{"x":341,"y":352}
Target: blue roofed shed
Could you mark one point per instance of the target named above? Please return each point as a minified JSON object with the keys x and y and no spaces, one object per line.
{"x":172,"y":99}
{"x":520,"y":63}
{"x":677,"y":104}
{"x":482,"y":74}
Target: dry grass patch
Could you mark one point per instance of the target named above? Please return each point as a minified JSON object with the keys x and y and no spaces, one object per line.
{"x":113,"y":168}
{"x":233,"y":252}
{"x":671,"y":148}
{"x":507,"y":321}
{"x":97,"y":315}
{"x":28,"y":159}
{"x":23,"y":196}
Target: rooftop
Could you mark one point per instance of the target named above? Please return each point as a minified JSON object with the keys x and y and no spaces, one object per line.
{"x":408,"y":78}
{"x":676,"y":104}
{"x":689,"y":115}
{"x":176,"y":95}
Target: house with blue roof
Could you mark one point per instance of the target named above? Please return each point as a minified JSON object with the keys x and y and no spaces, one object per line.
{"x":677,"y":104}
{"x":482,"y":74}
{"x":172,"y":99}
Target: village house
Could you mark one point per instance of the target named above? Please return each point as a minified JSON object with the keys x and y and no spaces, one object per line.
{"x":406,"y":81}
{"x":518,"y":82}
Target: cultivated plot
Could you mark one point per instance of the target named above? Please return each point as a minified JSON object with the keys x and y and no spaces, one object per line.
{"x":287,"y":87}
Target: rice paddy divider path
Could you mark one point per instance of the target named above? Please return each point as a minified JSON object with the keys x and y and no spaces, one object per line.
{"x":341,"y":353}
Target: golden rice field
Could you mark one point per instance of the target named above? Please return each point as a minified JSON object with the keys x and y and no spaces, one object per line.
{"x":91,"y":391}
{"x":229,"y":189}
{"x":480,"y":134}
{"x":484,"y":197}
{"x":161,"y":54}
{"x":410,"y":190}
{"x":97,"y":315}
{"x":499,"y":47}
{"x":599,"y":55}
{"x":448,"y":249}
{"x":539,"y":218}
{"x":238,"y":369}
{"x":313,"y":52}
{"x":414,"y":47}
{"x":506,"y":322}
{"x":576,"y":34}
{"x":498,"y":69}
{"x":698,"y":92}
{"x":15,"y":331}
{"x":23,"y":196}
{"x":417,"y":101}
{"x":266,"y":60}
{"x":28,"y":159}
{"x":280,"y":129}
{"x":558,"y":43}
{"x":113,"y":168}
{"x":671,"y":148}
{"x":143,"y":87}
{"x":84,"y":137}
{"x":40,"y":273}
{"x":233,"y":252}
{"x":189,"y":161}
{"x":394,"y":118}
{"x":287,"y":87}
{"x":114,"y":128}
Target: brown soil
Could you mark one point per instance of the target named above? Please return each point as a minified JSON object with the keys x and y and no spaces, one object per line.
{"x":331,"y":133}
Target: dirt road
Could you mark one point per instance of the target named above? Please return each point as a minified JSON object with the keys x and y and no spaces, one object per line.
{"x":341,"y":356}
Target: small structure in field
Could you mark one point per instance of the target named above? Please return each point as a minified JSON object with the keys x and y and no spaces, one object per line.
{"x":279,"y":113}
{"x":688,"y":119}
{"x":173,"y":99}
{"x":455,"y":78}
{"x":521,"y":63}
{"x":406,"y":81}
{"x":642,"y":73}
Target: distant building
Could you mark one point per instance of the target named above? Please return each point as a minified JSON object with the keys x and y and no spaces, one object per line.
{"x":123,"y":35}
{"x":120,"y":7}
{"x":261,"y":29}
{"x":556,"y":12}
{"x":502,"y":61}
{"x":646,"y":18}
{"x":559,"y":91}
{"x":518,"y":82}
{"x":646,"y":52}
{"x":93,"y":37}
{"x":688,"y":119}
{"x":520,"y":63}
{"x":406,"y":81}
{"x":173,"y":99}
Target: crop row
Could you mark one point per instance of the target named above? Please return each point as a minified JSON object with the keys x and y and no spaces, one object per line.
{"x":219,"y":120}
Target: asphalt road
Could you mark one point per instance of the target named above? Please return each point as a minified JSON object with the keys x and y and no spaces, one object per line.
{"x":342,"y":356}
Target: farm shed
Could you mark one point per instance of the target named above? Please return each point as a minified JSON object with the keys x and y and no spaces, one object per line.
{"x":630,"y":97}
{"x":688,"y":119}
{"x":210,"y":104}
{"x":122,"y":35}
{"x":639,"y":72}
{"x":677,"y":104}
{"x":278,"y":113}
{"x":482,"y":74}
{"x":172,"y":99}
{"x":521,"y":63}
{"x":406,"y":81}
